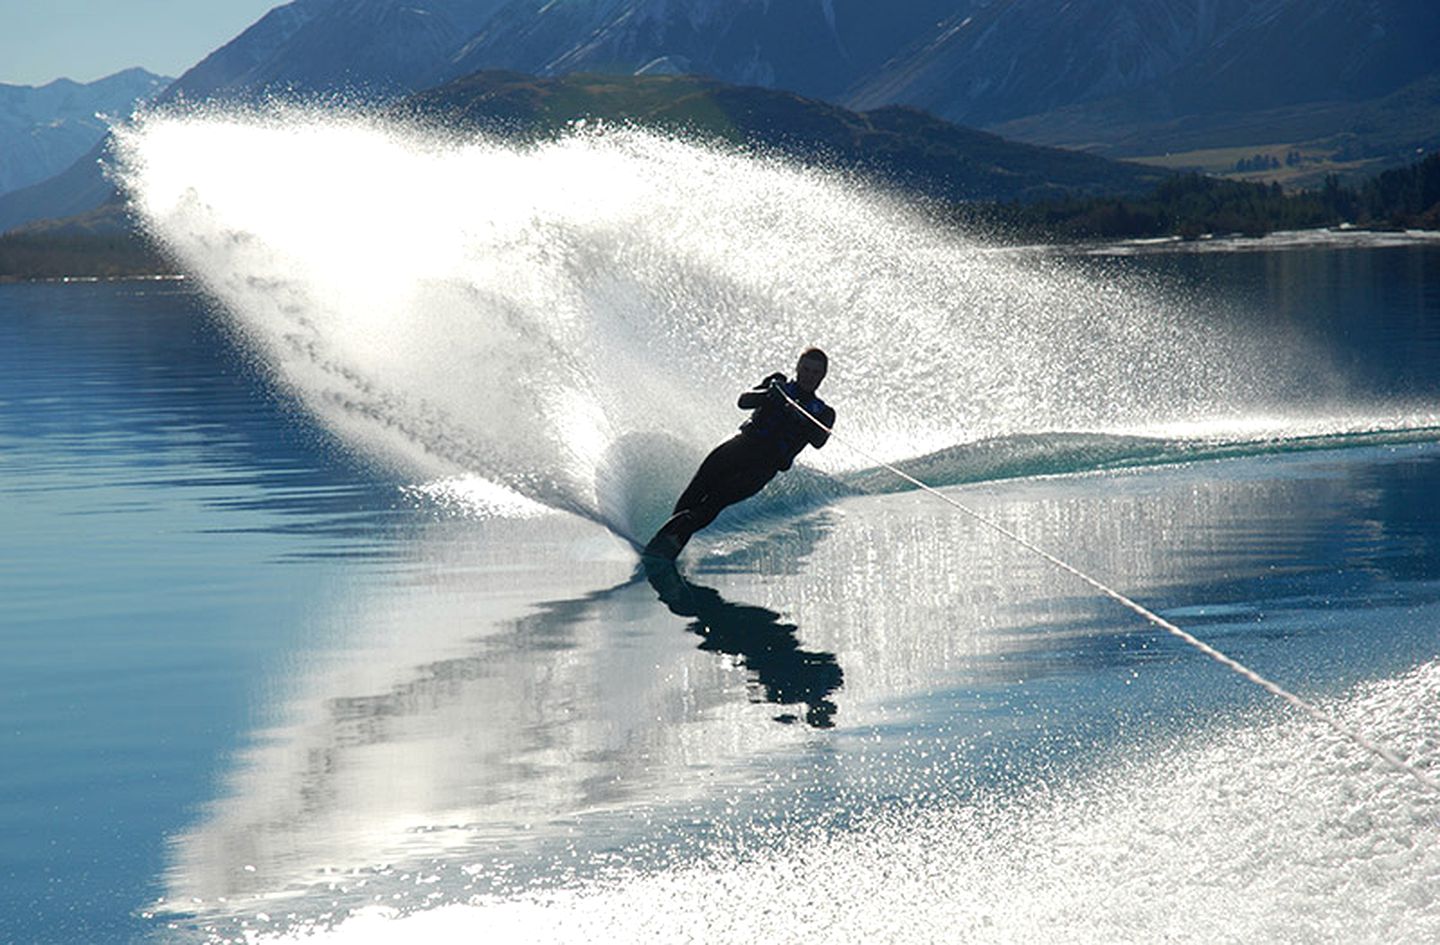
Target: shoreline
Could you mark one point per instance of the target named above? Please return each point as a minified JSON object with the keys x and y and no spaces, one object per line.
{"x":133,"y":277}
{"x":1349,"y":237}
{"x":1341,"y":237}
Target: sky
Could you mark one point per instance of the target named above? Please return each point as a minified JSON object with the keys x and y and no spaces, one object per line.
{"x":84,"y":40}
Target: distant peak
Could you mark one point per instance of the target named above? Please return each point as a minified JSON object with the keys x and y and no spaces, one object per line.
{"x":136,"y":73}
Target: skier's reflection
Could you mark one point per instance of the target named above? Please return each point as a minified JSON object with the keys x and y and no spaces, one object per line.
{"x":766,"y":646}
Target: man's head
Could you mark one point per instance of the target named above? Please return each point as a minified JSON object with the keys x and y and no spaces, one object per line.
{"x":810,"y":369}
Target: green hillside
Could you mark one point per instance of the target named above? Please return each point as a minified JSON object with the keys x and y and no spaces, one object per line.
{"x":1297,"y":146}
{"x":901,"y":147}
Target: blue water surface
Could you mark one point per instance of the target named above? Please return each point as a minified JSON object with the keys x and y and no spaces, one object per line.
{"x":226,"y":635}
{"x":164,"y":524}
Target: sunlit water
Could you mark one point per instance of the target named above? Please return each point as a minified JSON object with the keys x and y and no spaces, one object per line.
{"x":322,"y":620}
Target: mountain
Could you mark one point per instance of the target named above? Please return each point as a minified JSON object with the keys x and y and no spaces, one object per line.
{"x":44,"y":129}
{"x":240,"y":64}
{"x":902,"y":147}
{"x":1122,"y":78}
{"x":1390,"y":129}
{"x":1102,"y":74}
{"x":389,"y":47}
{"x":232,"y":70}
{"x":818,"y":48}
{"x":1027,"y":57}
{"x":985,"y":61}
{"x":368,"y":48}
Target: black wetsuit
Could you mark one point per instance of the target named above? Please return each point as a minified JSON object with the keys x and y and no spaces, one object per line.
{"x":767,"y":443}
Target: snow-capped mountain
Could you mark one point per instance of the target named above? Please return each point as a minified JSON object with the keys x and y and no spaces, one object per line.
{"x":43,"y":129}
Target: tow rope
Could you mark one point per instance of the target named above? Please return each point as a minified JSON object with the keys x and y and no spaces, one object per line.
{"x":1315,"y":712}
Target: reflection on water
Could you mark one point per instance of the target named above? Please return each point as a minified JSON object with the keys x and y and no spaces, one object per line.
{"x":766,"y":645}
{"x":458,"y":715}
{"x":462,"y":732}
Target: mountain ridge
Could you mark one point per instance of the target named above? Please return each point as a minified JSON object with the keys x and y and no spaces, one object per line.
{"x":899,"y":146}
{"x":1122,"y":78}
{"x":45,"y":128}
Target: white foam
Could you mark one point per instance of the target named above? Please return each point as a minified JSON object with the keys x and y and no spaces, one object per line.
{"x":476,"y":497}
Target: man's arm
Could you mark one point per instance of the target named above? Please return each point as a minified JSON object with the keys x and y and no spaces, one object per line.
{"x":755,"y":397}
{"x":817,"y":435}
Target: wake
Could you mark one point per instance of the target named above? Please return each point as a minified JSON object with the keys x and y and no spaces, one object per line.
{"x":570,"y":322}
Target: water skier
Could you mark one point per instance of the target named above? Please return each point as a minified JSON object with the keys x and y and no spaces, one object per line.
{"x":767,"y":443}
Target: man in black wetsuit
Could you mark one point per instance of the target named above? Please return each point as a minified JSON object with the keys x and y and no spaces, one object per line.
{"x":767,"y":443}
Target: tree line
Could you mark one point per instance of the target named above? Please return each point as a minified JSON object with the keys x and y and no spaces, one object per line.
{"x":1187,"y":206}
{"x":116,"y":255}
{"x":1192,"y":205}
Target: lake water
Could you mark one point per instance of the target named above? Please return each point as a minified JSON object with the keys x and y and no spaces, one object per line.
{"x":291,"y":654}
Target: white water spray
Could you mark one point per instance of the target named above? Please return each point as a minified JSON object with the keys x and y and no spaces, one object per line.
{"x":572,"y":320}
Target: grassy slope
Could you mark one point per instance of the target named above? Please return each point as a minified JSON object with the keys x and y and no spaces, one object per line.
{"x":903,"y":147}
{"x":1352,"y":139}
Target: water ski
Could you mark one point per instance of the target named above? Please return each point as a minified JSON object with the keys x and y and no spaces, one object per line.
{"x":670,"y":540}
